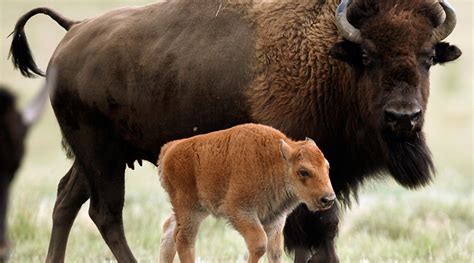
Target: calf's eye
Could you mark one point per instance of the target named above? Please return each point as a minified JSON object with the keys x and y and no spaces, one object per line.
{"x":303,"y":173}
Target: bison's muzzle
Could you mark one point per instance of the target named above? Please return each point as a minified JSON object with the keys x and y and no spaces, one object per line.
{"x":403,"y":121}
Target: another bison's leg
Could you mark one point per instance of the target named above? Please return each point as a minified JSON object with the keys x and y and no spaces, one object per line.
{"x":312,"y":235}
{"x":167,"y":244}
{"x":187,"y":226}
{"x":72,"y":193}
{"x":5,"y":182}
{"x":253,"y":233}
{"x":275,"y":240}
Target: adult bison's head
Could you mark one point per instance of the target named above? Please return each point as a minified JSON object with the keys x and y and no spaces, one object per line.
{"x":391,"y":46}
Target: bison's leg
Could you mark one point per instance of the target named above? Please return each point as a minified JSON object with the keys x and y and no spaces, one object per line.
{"x":101,"y":158}
{"x":326,"y":252}
{"x":253,"y":233}
{"x":107,"y":198}
{"x":312,"y":235}
{"x":275,"y":240}
{"x":302,"y":255}
{"x":72,"y":193}
{"x":101,"y":155}
{"x":167,"y":244}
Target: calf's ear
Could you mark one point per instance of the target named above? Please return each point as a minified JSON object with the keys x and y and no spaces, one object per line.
{"x":347,"y":51}
{"x":444,"y":52}
{"x":311,"y":141}
{"x":285,"y":150}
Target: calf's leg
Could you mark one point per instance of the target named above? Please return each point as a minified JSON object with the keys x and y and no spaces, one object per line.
{"x":167,"y":244}
{"x":72,"y":193}
{"x":187,"y":226}
{"x":275,"y":240}
{"x":254,"y":235}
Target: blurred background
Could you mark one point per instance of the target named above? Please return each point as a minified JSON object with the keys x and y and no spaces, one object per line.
{"x":389,"y":223}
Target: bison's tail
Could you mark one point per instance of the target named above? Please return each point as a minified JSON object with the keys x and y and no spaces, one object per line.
{"x":20,"y":50}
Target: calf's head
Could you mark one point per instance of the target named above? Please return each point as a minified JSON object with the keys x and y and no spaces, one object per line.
{"x":308,"y":174}
{"x":391,"y":46}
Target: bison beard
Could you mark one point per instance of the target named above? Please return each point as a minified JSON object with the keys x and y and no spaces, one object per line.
{"x":409,"y":161}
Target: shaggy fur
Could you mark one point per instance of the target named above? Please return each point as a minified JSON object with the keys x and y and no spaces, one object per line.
{"x":252,"y":175}
{"x":135,"y":78}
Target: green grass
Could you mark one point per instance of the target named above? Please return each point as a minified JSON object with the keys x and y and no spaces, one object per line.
{"x":389,"y":224}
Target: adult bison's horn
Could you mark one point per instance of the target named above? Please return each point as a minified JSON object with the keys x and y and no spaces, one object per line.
{"x":442,"y":31}
{"x":346,"y":29}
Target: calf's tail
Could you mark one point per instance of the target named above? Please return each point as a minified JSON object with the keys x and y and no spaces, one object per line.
{"x":20,"y":51}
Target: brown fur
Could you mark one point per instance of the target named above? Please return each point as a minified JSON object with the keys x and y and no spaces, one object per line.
{"x":248,"y":174}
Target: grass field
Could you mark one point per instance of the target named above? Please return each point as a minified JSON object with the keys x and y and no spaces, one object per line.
{"x":389,"y":223}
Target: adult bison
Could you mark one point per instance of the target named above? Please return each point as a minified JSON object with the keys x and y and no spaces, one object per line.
{"x":14,"y":126}
{"x":354,"y":76}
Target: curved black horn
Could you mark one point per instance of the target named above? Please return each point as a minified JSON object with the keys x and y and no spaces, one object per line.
{"x":442,"y":31}
{"x":345,"y":28}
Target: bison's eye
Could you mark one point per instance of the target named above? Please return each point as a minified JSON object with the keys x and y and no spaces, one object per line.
{"x":303,"y":173}
{"x":365,"y":59}
{"x":429,"y":61}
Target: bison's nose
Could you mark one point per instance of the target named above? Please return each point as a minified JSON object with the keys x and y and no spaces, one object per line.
{"x":403,"y":119}
{"x":327,"y":200}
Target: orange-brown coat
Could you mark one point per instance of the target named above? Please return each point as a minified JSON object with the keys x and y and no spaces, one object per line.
{"x":252,"y":175}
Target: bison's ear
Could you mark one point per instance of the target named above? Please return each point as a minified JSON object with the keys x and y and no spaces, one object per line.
{"x":285,"y":150}
{"x":446,"y":52}
{"x":347,"y":51}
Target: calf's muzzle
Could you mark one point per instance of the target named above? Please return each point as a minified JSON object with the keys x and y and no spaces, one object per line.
{"x":327,"y":200}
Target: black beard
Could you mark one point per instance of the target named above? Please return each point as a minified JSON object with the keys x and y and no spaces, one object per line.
{"x":409,"y":160}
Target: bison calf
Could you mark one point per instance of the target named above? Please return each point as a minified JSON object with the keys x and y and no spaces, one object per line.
{"x":252,"y":175}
